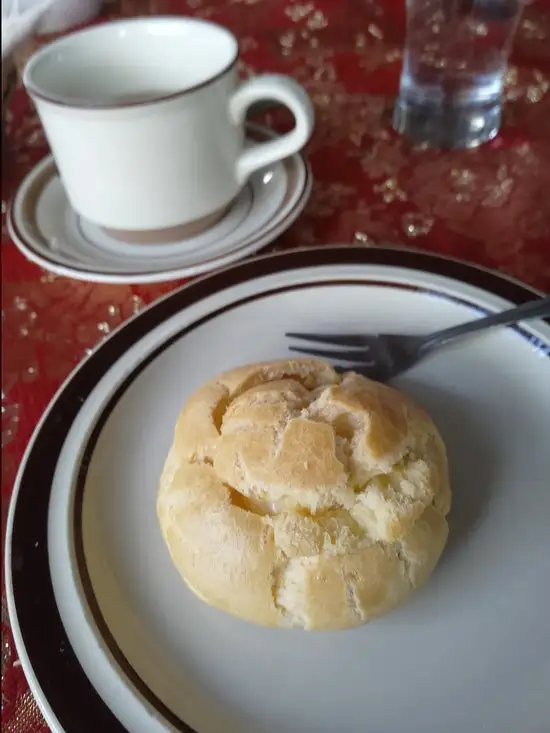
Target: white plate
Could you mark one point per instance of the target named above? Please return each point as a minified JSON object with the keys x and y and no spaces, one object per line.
{"x":112,"y":640}
{"x":48,"y":232}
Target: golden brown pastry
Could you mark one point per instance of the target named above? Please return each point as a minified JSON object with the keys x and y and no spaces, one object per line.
{"x":295,"y":496}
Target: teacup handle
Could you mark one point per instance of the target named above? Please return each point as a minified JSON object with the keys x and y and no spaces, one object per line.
{"x":281,"y":89}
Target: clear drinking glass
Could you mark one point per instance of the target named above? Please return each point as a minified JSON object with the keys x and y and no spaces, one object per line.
{"x":455,"y":57}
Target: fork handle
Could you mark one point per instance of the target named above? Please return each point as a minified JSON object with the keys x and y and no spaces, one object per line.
{"x":539,"y":308}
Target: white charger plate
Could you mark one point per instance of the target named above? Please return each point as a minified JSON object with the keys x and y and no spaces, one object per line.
{"x":110,"y":638}
{"x":49,"y":233}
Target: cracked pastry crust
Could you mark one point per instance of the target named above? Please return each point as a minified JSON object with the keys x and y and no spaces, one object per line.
{"x":296,"y":496}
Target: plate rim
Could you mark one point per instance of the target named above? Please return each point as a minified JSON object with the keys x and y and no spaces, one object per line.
{"x":243,"y":271}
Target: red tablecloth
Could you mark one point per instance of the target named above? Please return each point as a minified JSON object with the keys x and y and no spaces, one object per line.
{"x":490,"y":206}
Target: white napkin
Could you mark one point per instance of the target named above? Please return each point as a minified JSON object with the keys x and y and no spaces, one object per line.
{"x":23,"y":18}
{"x":19,"y":20}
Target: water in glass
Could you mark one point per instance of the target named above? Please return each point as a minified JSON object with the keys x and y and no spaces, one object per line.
{"x":454,"y":62}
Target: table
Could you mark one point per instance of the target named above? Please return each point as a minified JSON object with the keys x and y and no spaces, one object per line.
{"x":490,"y":206}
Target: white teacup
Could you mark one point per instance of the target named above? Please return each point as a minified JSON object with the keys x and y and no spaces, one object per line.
{"x":145,"y":119}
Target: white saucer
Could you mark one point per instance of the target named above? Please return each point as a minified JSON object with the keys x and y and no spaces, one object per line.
{"x":111,"y":639}
{"x":50,"y":233}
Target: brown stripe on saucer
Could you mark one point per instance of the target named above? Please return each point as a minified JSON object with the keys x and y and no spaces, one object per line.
{"x":29,"y":204}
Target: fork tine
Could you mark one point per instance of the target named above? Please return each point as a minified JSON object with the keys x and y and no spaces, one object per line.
{"x":337,"y":354}
{"x":346,"y":339}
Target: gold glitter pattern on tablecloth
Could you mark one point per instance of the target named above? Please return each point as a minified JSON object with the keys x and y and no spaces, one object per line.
{"x":488,"y":205}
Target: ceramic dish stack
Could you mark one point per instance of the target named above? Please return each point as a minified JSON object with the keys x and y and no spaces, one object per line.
{"x":50,"y":233}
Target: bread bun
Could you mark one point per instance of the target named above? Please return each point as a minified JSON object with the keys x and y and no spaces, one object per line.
{"x":296,"y":496}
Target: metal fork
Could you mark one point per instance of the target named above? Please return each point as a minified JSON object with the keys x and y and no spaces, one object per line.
{"x":384,"y":356}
